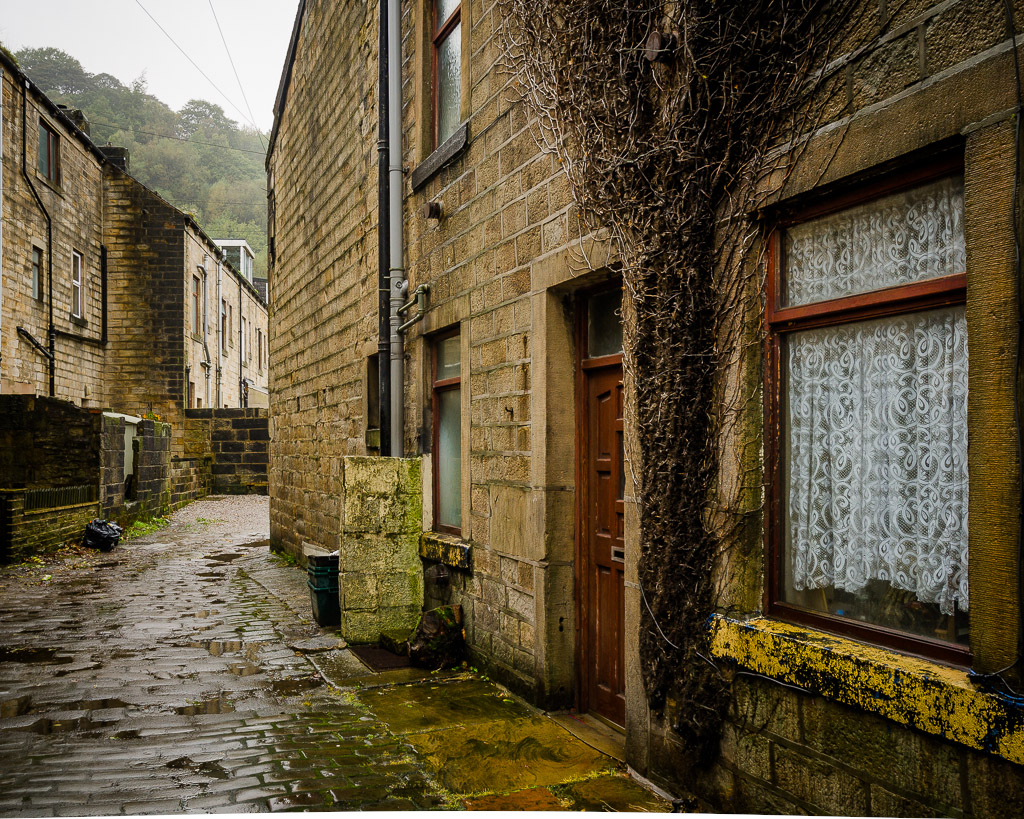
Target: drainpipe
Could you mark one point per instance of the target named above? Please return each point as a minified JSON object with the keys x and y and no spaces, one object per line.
{"x":103,"y":294}
{"x":241,"y":341}
{"x":220,"y":333}
{"x":1,"y":228}
{"x":399,"y":285}
{"x":383,"y":240}
{"x":51,"y":334}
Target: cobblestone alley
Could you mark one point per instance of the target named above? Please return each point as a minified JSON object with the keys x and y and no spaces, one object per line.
{"x":182,"y":673}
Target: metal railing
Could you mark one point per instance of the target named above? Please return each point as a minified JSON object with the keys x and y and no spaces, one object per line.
{"x":36,"y":499}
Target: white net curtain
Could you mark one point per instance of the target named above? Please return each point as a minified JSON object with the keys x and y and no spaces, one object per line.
{"x":876,"y":454}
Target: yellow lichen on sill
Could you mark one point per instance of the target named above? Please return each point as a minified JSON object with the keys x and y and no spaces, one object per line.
{"x":933,"y":698}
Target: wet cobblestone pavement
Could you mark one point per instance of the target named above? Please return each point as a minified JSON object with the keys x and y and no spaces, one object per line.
{"x":182,"y":673}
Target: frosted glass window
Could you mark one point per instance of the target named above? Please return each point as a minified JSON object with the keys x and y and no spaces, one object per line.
{"x":445,"y":9}
{"x":899,"y":239}
{"x":448,"y":358}
{"x":449,"y":458}
{"x":449,"y":83}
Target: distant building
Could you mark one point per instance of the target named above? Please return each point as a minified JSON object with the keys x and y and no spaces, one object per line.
{"x":240,"y":256}
{"x":111,"y":297}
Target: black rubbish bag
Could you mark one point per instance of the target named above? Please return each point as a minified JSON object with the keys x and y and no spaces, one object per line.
{"x":102,"y":535}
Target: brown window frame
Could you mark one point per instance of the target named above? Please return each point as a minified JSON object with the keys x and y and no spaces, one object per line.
{"x":442,"y":31}
{"x":780,"y":321}
{"x":50,"y":151}
{"x":437,"y":387}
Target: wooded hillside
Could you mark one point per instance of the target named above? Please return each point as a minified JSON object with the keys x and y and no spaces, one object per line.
{"x":197,"y":158}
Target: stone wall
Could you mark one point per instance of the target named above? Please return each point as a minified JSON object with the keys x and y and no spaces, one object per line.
{"x":27,"y":532}
{"x":47,"y":442}
{"x":147,"y":493}
{"x":231,"y":446}
{"x":380,"y":581}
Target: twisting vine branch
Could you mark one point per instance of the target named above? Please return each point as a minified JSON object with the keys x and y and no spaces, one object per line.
{"x":663,"y":115}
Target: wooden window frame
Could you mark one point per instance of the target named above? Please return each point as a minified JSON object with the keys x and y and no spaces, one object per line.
{"x":196,"y":322}
{"x":780,"y":322}
{"x":51,"y":152}
{"x":77,"y":299}
{"x":442,"y":31}
{"x":436,"y":388}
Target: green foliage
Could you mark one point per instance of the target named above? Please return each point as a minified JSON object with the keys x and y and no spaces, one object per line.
{"x":197,"y":158}
{"x":141,"y":528}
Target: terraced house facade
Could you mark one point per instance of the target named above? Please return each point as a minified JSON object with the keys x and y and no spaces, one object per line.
{"x":860,"y":616}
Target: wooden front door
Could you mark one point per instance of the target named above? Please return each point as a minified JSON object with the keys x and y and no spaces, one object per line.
{"x":601,"y":563}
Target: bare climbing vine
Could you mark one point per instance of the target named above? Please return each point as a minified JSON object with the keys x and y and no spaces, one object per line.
{"x":667,"y":118}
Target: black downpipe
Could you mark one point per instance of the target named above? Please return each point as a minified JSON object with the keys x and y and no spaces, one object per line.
{"x":50,"y":333}
{"x":383,"y":240}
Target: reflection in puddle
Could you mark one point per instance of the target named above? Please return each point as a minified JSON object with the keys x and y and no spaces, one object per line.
{"x":28,"y":654}
{"x":212,"y":705}
{"x":295,"y":685}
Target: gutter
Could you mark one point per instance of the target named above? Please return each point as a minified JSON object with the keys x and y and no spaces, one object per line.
{"x":399,"y":285}
{"x":383,"y":240}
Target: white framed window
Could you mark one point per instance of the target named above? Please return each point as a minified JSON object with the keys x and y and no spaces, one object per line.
{"x":76,"y":284}
{"x":245,"y":341}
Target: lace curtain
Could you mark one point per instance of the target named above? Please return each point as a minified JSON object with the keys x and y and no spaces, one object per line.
{"x":899,"y":239}
{"x":876,"y":456}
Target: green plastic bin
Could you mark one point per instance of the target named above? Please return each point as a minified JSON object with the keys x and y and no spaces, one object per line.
{"x":322,"y":579}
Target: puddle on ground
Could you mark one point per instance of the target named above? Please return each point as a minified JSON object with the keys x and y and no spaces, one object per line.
{"x":530,"y":799}
{"x":243,"y":669}
{"x":295,"y":685}
{"x":211,"y":769}
{"x":28,"y":654}
{"x":224,"y":557}
{"x":49,"y":726}
{"x":15,"y":707}
{"x":108,"y":564}
{"x":218,"y":647}
{"x":208,"y":576}
{"x":211,"y":705}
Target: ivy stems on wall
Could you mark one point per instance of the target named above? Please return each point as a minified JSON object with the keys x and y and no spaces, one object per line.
{"x":664,"y":117}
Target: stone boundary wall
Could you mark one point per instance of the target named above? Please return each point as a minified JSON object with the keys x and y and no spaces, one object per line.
{"x":229,"y":449}
{"x":46,"y":442}
{"x":25,"y":533}
{"x":149,"y":494}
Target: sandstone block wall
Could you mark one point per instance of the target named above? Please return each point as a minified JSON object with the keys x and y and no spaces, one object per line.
{"x":232,"y":445}
{"x":47,"y":442}
{"x":380,"y":581}
{"x":24,"y":533}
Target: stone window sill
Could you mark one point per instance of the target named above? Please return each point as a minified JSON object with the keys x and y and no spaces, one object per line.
{"x":451,"y":148}
{"x":78,"y":321}
{"x":446,"y":549}
{"x":925,"y":695}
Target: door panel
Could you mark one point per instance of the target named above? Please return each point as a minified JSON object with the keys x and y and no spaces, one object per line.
{"x":602,"y":561}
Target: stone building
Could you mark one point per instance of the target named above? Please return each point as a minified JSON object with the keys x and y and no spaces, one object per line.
{"x":514,"y":405}
{"x":111,"y":297}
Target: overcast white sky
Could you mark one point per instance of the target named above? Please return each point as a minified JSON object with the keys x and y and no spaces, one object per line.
{"x":117,"y":37}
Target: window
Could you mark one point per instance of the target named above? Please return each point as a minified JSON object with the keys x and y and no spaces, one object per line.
{"x":868,"y":373}
{"x":49,"y":154}
{"x":196,"y":314}
{"x":245,"y":341}
{"x":229,"y":336}
{"x":224,"y":329}
{"x":447,"y":435}
{"x":37,"y":274}
{"x":259,"y":348}
{"x":447,"y":84}
{"x":76,"y":284}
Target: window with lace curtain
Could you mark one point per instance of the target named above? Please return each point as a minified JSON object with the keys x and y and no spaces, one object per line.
{"x":868,"y":385}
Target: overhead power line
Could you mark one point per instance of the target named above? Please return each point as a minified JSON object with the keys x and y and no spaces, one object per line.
{"x":178,"y":138}
{"x":195,"y":65}
{"x":237,"y":78}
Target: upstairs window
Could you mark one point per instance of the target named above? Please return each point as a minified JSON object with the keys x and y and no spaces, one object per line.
{"x":447,"y":68}
{"x":76,"y":284}
{"x":49,"y":153}
{"x":868,"y":355}
{"x":245,"y":341}
{"x":196,"y":307}
{"x":224,"y":329}
{"x":37,"y":274}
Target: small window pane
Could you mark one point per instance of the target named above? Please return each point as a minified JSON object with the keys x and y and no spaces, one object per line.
{"x":604,"y":324}
{"x":448,"y":358}
{"x":37,"y":265}
{"x":449,"y":458}
{"x":445,"y":9}
{"x":44,"y":152}
{"x":899,"y":239}
{"x":449,"y":83}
